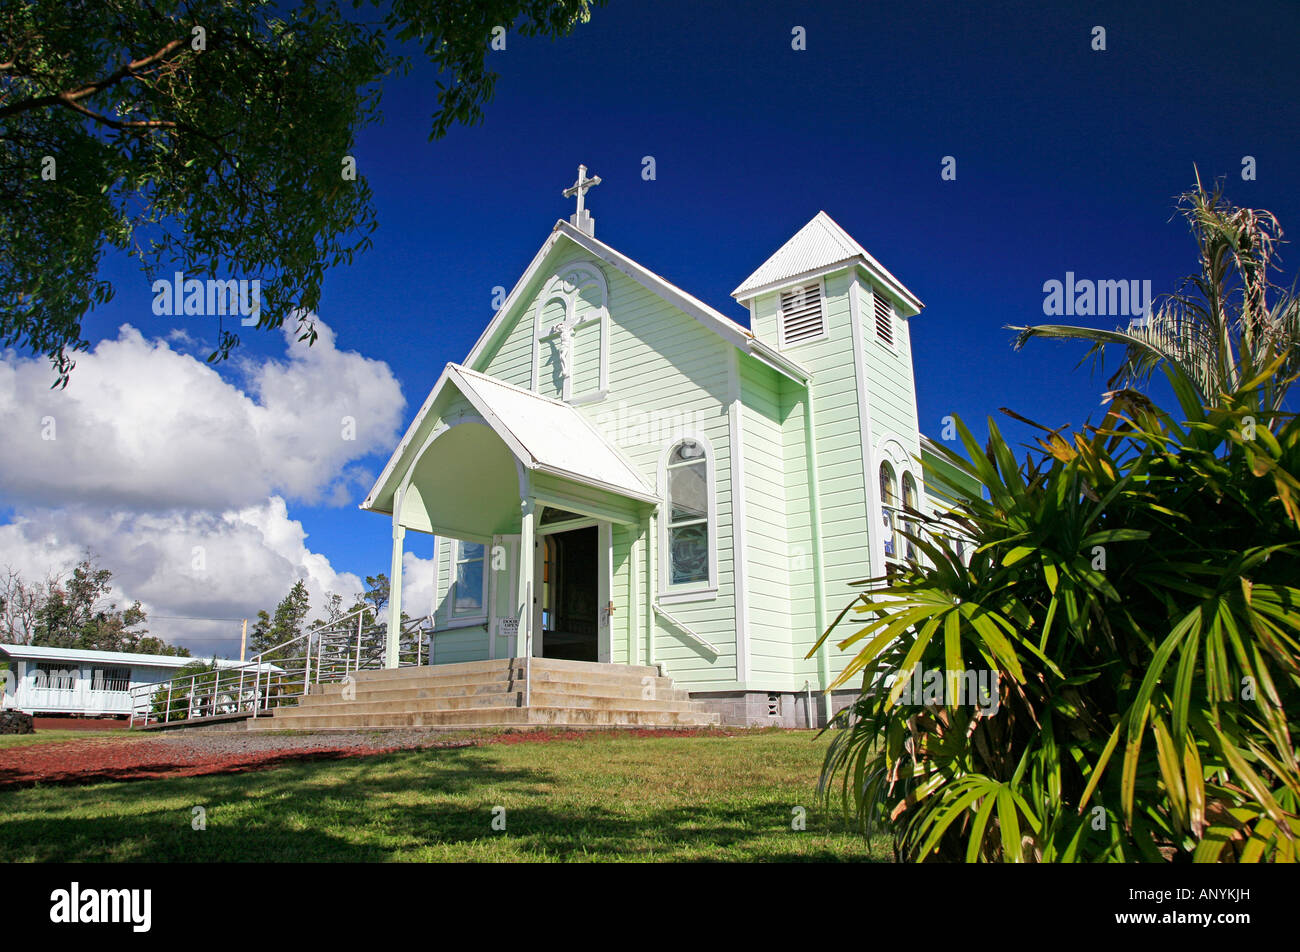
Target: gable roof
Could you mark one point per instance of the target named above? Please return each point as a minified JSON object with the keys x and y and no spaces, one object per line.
{"x":819,"y":245}
{"x":546,"y":435}
{"x":735,"y":334}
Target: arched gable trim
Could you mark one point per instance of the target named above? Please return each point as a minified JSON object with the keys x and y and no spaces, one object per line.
{"x":567,"y":286}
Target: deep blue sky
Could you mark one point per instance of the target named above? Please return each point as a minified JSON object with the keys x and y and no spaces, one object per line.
{"x":1067,"y":160}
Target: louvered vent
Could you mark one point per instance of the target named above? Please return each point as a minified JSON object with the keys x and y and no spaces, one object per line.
{"x":801,"y":314}
{"x":773,"y":705}
{"x":884,"y":317}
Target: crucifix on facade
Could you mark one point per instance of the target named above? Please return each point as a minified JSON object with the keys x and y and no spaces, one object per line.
{"x":562,"y":334}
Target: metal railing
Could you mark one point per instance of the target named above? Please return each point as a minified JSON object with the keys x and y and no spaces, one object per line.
{"x":280,"y":675}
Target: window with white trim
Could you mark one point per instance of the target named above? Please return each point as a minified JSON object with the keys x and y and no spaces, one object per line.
{"x":469,"y":575}
{"x":688,"y":529}
{"x":909,"y":524}
{"x":53,"y":677}
{"x":802,"y":315}
{"x":889,"y":511}
{"x":884,"y":317}
{"x":111,"y":679}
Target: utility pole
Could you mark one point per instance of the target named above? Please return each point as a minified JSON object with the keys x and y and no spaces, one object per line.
{"x":243,"y":641}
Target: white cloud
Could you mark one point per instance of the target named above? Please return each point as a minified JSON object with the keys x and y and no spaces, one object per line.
{"x":143,"y":426}
{"x":417,"y":585}
{"x":177,"y":478}
{"x":195,"y":565}
{"x":190,"y":564}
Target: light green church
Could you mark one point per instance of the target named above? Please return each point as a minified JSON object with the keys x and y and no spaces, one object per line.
{"x":619,"y":473}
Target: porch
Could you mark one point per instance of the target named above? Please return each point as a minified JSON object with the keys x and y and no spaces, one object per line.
{"x":524,"y":496}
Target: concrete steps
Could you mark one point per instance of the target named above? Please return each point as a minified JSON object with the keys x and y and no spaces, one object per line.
{"x":418,"y":691}
{"x":491,"y":694}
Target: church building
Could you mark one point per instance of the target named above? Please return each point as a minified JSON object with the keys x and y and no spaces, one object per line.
{"x":617,"y":473}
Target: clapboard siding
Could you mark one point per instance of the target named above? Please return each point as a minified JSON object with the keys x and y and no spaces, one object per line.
{"x":668,"y":376}
{"x":890,"y":389}
{"x":800,"y":609}
{"x":841,"y":495}
{"x":460,"y":644}
{"x":768,"y":552}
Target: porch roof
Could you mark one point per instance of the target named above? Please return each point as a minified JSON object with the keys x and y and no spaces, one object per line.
{"x":545,"y":435}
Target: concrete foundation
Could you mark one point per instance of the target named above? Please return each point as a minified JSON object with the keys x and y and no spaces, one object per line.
{"x":772,"y":709}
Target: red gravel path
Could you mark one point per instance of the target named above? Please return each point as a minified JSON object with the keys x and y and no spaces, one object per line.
{"x":80,"y":723}
{"x":103,"y":759}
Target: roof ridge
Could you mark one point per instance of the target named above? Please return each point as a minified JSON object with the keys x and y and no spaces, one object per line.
{"x":821,"y":243}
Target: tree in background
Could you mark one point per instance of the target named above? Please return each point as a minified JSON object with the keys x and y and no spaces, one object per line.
{"x":375,"y":597}
{"x":286,"y":623}
{"x":75,"y":610}
{"x":209,"y":137}
{"x":20,"y":605}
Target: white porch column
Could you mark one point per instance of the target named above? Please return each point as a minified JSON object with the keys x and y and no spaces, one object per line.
{"x":527,"y":549}
{"x":652,"y":624}
{"x":394,"y":599}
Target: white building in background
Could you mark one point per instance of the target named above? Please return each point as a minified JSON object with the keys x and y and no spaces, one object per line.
{"x":80,"y":681}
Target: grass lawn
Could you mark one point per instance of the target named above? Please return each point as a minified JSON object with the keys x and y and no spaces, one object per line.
{"x":603,"y":798}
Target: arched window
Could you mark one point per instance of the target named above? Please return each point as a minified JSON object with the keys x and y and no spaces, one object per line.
{"x":688,"y":528}
{"x":888,"y":509}
{"x":909,"y":525}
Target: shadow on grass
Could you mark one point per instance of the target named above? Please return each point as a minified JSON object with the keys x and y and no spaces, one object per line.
{"x":11,"y":779}
{"x":397,"y":806}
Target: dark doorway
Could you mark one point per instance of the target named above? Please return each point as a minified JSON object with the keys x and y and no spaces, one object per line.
{"x":569,"y":595}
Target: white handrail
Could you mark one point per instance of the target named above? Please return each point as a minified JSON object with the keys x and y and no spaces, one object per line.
{"x":215,"y":691}
{"x":694,"y":636}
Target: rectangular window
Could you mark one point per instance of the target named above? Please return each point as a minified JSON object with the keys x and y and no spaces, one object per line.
{"x":801,"y":314}
{"x":54,"y":677}
{"x":110,"y":679}
{"x":884,"y":318}
{"x":470,"y":579}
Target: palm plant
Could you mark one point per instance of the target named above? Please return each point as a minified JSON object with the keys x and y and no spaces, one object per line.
{"x":1224,"y":324}
{"x":1134,"y":588}
{"x":1135,"y":591}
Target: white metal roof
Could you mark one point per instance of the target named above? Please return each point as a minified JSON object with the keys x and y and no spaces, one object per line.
{"x":552,"y":435}
{"x":38,"y":653}
{"x":817,"y":245}
{"x":544,"y":434}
